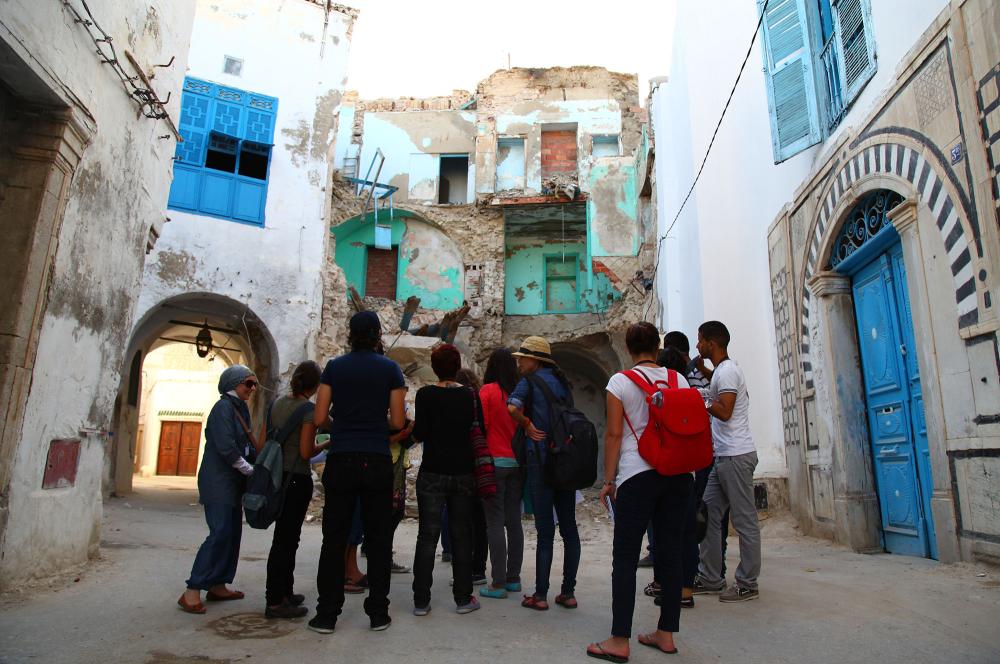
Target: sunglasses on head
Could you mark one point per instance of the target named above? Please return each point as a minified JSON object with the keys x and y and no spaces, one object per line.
{"x":250,"y":384}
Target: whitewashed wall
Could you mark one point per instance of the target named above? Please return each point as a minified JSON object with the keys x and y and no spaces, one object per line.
{"x":714,"y":263}
{"x":118,"y":190}
{"x":289,"y":53}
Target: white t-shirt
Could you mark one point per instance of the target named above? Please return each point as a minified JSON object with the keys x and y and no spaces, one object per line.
{"x":732,"y":437}
{"x":634,"y":402}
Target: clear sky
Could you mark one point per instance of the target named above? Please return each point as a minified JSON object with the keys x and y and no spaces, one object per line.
{"x":423,"y":48}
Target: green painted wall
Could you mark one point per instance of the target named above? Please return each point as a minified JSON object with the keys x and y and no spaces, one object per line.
{"x":613,"y":209}
{"x":436,"y":278}
{"x":524,"y":278}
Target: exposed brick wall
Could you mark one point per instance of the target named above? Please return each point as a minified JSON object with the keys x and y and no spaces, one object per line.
{"x":380,"y":280}
{"x":558,"y":153}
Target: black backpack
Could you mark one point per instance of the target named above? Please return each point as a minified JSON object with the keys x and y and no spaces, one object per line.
{"x":571,"y":462}
{"x":265,"y":495}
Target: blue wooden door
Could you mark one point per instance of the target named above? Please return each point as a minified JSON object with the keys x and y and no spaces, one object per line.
{"x":894,"y":404}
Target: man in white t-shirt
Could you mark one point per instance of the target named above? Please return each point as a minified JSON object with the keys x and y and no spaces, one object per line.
{"x":730,"y":484}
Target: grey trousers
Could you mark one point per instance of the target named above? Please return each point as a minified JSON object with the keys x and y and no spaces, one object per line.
{"x":730,"y":485}
{"x":503,"y":513}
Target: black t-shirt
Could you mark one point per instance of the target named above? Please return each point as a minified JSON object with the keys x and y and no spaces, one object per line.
{"x":442,"y":421}
{"x":360,"y":383}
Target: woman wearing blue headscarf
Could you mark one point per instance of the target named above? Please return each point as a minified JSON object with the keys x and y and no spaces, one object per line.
{"x":229,"y":450}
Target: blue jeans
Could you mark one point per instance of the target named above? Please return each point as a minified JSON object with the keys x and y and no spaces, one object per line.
{"x":564,"y":503}
{"x":219,"y":554}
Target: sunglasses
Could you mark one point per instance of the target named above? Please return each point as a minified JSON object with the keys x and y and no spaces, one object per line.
{"x":250,"y":384}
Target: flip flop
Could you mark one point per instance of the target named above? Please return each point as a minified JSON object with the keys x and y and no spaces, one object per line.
{"x":215,"y":597}
{"x":532,"y":602}
{"x":198,"y":608}
{"x":567,"y":601}
{"x":654,"y":644}
{"x":601,"y":653}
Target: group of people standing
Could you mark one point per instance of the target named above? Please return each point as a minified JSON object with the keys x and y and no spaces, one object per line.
{"x":360,"y":402}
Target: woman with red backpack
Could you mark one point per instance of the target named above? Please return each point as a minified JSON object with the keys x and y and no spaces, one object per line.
{"x":641,"y":495}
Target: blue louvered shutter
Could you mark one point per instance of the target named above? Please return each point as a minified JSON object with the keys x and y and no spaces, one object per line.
{"x":788,"y":71}
{"x":189,"y":155}
{"x":853,"y":24}
{"x":229,"y":112}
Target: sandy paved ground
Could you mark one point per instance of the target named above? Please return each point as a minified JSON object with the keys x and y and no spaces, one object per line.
{"x":819,"y":603}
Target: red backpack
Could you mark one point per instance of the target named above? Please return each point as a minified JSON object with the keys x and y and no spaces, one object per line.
{"x":678,"y":436}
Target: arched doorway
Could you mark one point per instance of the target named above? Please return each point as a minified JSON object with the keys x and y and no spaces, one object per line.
{"x":175,"y":355}
{"x":867,"y":249}
{"x":588,"y":363}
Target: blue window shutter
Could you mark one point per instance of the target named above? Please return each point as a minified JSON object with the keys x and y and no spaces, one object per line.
{"x":185,"y":188}
{"x":788,"y":73}
{"x":853,"y":23}
{"x":229,"y":108}
{"x":248,"y":203}
{"x":261,"y":112}
{"x":194,"y":121}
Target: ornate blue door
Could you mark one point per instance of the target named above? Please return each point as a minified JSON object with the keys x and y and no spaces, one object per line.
{"x":894,"y":404}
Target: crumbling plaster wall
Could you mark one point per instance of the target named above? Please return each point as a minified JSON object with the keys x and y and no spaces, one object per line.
{"x":298,"y":53}
{"x":117,"y":193}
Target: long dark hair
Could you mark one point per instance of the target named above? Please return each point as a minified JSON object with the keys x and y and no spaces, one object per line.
{"x":502,"y":369}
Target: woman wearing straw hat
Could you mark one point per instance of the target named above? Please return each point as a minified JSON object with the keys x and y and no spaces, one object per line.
{"x":530,"y":409}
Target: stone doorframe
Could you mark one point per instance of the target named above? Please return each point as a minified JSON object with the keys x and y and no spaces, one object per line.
{"x":839,"y":382}
{"x":50,"y":129}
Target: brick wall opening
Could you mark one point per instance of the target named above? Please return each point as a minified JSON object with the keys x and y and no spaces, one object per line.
{"x":380,"y":277}
{"x":558,"y":152}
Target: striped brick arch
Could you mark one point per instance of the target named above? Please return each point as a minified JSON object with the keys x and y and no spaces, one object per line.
{"x":903,"y":162}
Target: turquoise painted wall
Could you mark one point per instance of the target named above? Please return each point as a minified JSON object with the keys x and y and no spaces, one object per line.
{"x":613,"y":209}
{"x":355,"y":236}
{"x":524,"y":278}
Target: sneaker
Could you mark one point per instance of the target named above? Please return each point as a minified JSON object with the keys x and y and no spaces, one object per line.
{"x":513,"y":586}
{"x":468,"y":607}
{"x":736,"y":593}
{"x":652,"y":589}
{"x":323,"y":624}
{"x":699,"y":588}
{"x":495,"y":593}
{"x":421,"y":610}
{"x":646,"y":561}
{"x":399,"y":569}
{"x":446,"y":557}
{"x":286,"y":611}
{"x":479,"y":579}
{"x":381,"y":622}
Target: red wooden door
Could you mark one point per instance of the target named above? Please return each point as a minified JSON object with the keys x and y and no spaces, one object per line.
{"x":170,"y":446}
{"x":187,"y":464}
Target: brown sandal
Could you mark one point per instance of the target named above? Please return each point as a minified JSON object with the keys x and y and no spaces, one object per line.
{"x":216,"y":597}
{"x":650,"y":641}
{"x":191,"y":608}
{"x":567,"y":601}
{"x":532,"y":602}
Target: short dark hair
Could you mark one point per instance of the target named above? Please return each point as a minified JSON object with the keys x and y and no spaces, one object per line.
{"x":677,"y":340}
{"x":446,"y":361}
{"x":715,"y":331}
{"x":642,"y":338}
{"x":670,"y":358}
{"x":305,"y":377}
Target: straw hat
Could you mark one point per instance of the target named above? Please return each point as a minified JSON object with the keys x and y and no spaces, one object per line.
{"x":536,"y":348}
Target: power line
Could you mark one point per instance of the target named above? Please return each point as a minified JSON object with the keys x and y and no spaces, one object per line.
{"x":746,"y":58}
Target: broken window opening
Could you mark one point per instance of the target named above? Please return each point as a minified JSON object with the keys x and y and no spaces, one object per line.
{"x":559,"y":153}
{"x":221,"y":153}
{"x":606,"y":146}
{"x":254,"y":158}
{"x":510,"y":163}
{"x":453,"y":181}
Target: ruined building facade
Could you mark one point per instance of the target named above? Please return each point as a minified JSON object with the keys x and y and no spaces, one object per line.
{"x":527,"y":199}
{"x":85,"y":158}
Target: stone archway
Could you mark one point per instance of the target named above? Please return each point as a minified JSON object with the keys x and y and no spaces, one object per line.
{"x":238,"y":335}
